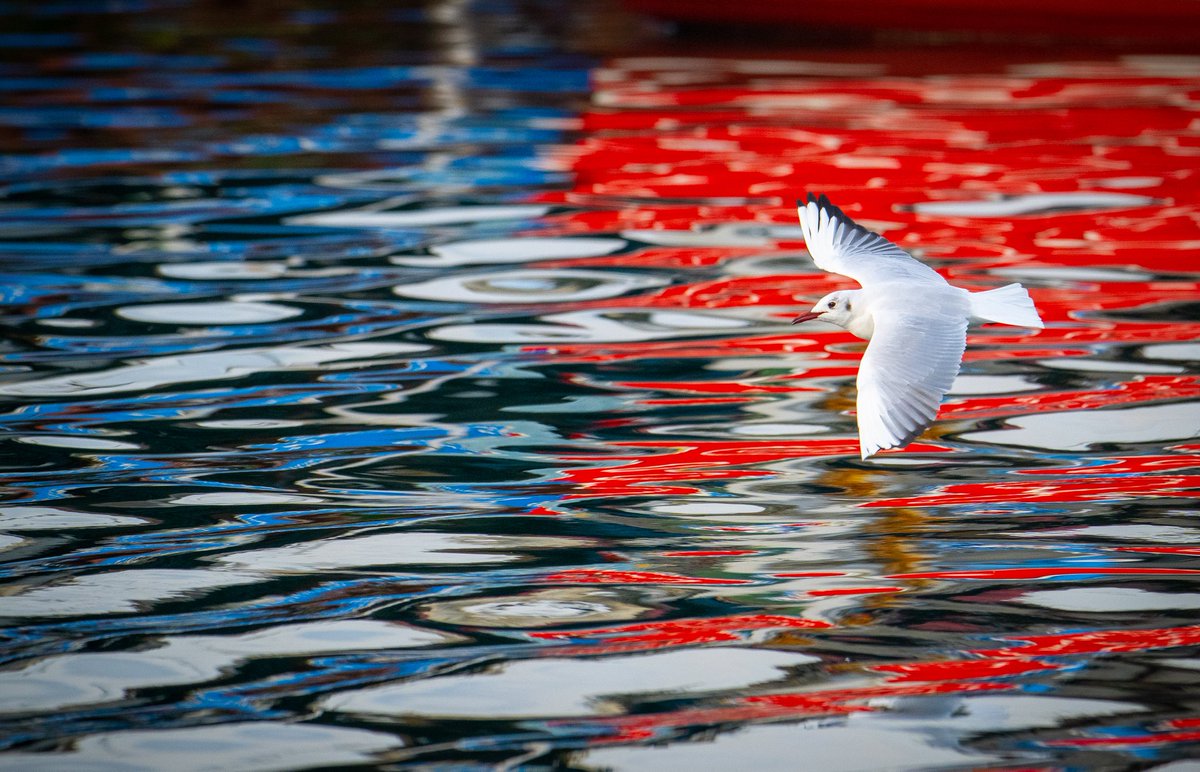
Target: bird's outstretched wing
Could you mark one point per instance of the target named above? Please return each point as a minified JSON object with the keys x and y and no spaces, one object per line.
{"x":839,"y":245}
{"x":909,"y":365}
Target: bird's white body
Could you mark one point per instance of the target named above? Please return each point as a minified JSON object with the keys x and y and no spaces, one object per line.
{"x":915,"y":320}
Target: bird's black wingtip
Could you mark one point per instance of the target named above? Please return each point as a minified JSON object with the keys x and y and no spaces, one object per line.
{"x":820,"y":200}
{"x":823,"y":203}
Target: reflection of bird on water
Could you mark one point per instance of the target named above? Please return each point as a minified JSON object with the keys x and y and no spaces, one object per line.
{"x":915,"y":320}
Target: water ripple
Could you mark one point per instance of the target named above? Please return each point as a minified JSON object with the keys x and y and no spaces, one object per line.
{"x":403,"y":387}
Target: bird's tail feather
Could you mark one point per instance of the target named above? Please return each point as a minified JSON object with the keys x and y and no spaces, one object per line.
{"x":1009,"y":304}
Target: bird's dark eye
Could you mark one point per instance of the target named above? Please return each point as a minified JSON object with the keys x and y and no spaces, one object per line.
{"x":832,"y":304}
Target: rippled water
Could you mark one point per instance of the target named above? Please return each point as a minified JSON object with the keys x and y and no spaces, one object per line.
{"x":398,"y":387}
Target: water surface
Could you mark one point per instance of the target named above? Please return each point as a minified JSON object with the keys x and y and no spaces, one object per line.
{"x":408,"y":389}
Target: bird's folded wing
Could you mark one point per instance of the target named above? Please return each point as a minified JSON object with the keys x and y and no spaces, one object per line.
{"x":909,"y":365}
{"x":839,"y":245}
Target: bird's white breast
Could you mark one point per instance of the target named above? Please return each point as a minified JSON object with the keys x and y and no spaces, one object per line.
{"x":862,"y":324}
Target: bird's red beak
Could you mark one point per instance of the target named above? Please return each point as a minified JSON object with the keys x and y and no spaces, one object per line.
{"x":807,"y":316}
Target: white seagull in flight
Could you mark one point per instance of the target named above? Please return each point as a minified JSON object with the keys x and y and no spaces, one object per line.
{"x":915,"y":321}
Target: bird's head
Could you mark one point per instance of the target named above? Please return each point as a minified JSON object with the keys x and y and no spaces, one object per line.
{"x":835,"y":308}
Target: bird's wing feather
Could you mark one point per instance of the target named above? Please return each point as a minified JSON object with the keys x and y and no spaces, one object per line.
{"x":839,"y":245}
{"x":909,"y":365}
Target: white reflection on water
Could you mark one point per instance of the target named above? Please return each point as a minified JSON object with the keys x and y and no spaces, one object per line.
{"x":94,"y":677}
{"x":1079,"y":430}
{"x":1184,"y":352}
{"x":415,"y":218}
{"x":529,"y":286}
{"x":37,"y":518}
{"x":992,"y":384}
{"x":516,"y":250}
{"x":242,"y":499}
{"x":207,"y":271}
{"x":868,"y":742}
{"x":596,"y":327}
{"x":76,"y":441}
{"x":227,"y":312}
{"x":118,"y":592}
{"x":856,"y":746}
{"x":563,"y":686}
{"x":69,"y":322}
{"x":1110,"y":599}
{"x":1107,"y":366}
{"x":777,"y":430}
{"x":1032,"y":203}
{"x":723,"y":235}
{"x":152,"y":373}
{"x":90,"y":678}
{"x":542,"y":608}
{"x":391,"y":549}
{"x":258,"y":746}
{"x":1071,"y":273}
{"x":249,"y":423}
{"x":1159,"y":534}
{"x":707,"y":508}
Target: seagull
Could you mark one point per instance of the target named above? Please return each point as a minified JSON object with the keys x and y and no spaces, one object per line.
{"x":915,"y":321}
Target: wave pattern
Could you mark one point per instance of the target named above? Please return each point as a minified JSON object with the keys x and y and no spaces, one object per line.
{"x":397,"y":388}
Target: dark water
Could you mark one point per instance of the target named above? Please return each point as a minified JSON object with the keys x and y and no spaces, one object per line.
{"x":412,"y":388}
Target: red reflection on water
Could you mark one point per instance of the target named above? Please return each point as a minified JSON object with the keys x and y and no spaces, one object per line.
{"x":829,"y":702}
{"x":953,"y":670}
{"x":853,"y":591}
{"x":675,"y":632}
{"x":660,"y":257}
{"x":1099,"y":641}
{"x":724,"y":148}
{"x":1040,"y":573}
{"x":1188,"y":459}
{"x":1182,"y":723}
{"x":1075,"y":489}
{"x":609,"y":576}
{"x":835,"y":700}
{"x":1024,"y":658}
{"x":695,"y":460}
{"x":1163,"y":550}
{"x":976,"y":673}
{"x":1143,"y":388}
